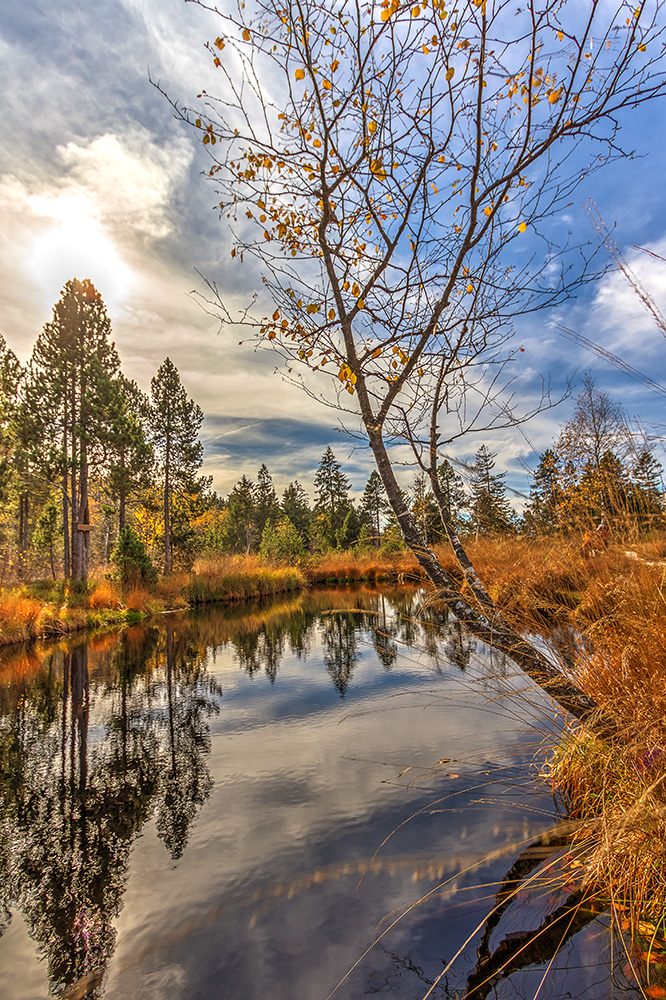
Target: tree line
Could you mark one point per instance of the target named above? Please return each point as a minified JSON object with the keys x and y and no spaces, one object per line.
{"x":91,"y":466}
{"x":76,"y":435}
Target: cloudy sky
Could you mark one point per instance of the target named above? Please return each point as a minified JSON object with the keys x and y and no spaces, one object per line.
{"x":98,"y":179}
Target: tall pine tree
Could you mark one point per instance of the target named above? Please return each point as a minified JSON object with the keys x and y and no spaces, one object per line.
{"x":174,"y":422}
{"x":71,"y":395}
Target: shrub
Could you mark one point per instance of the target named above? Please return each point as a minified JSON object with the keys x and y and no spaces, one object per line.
{"x":132,"y":562}
{"x":282,"y":542}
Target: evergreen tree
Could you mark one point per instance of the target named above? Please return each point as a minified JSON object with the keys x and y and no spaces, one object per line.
{"x":281,"y":541}
{"x":267,"y":506}
{"x":647,"y":491}
{"x":453,"y":490}
{"x":490,"y":509}
{"x":374,"y":506}
{"x":130,"y":453}
{"x":240,"y":525}
{"x":332,"y":504}
{"x":543,"y":512}
{"x":424,"y":509}
{"x":296,"y":507}
{"x":174,"y":422}
{"x":71,"y":396}
{"x":47,"y":530}
{"x":351,"y":528}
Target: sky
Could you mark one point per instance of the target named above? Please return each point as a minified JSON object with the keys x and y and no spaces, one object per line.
{"x":99,"y":180}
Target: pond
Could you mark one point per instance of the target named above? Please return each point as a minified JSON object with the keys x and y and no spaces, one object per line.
{"x":329,"y":792}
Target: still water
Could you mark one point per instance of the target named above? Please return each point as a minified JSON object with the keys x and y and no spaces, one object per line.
{"x":240,"y":803}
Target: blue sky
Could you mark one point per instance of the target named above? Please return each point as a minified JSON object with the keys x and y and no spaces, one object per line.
{"x":98,"y":179}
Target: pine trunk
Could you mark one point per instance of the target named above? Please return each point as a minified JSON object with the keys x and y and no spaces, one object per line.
{"x":167,"y":526}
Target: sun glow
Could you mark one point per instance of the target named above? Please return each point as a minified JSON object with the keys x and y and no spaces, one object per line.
{"x":76,"y":247}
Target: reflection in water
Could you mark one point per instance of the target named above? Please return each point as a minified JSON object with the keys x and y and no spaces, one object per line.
{"x":104,"y":739}
{"x":73,"y":801}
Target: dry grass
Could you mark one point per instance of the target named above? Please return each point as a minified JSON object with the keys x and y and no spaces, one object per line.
{"x":104,"y":595}
{"x":618,"y":786}
{"x":137,"y":600}
{"x":349,"y":566}
{"x":237,"y":578}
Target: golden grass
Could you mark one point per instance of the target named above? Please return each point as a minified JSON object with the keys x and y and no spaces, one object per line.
{"x":104,"y":595}
{"x":237,"y":578}
{"x":349,"y":566}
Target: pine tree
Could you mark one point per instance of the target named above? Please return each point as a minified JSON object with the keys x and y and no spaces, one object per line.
{"x":130,"y":453}
{"x":374,"y":505}
{"x":453,"y":490}
{"x":647,"y":491}
{"x":174,"y":422}
{"x":332,"y":504}
{"x":544,"y":510}
{"x":424,"y":509}
{"x":70,"y":395}
{"x":296,"y":508}
{"x":490,"y":509}
{"x":240,"y":525}
{"x":267,"y":506}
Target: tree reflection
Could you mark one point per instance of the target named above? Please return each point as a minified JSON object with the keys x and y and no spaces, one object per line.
{"x":71,"y":806}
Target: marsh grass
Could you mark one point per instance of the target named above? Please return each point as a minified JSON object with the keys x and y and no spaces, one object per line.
{"x":238,"y":578}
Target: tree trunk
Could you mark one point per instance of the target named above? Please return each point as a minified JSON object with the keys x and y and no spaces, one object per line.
{"x":489,"y":626}
{"x":23,"y":535}
{"x":167,"y":526}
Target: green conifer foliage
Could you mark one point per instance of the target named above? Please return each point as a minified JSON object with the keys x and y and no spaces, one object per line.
{"x":332,"y":504}
{"x":267,"y":505}
{"x":174,"y":423}
{"x":374,"y":506}
{"x":296,"y":507}
{"x":132,"y":561}
{"x":70,"y":395}
{"x":491,"y":511}
{"x":240,"y":524}
{"x":130,"y":455}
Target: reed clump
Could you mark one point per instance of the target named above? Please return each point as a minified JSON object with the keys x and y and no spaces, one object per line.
{"x":237,"y":578}
{"x":617,"y":785}
{"x":350,"y":566}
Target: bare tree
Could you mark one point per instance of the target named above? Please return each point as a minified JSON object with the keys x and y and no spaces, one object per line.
{"x":394,"y":168}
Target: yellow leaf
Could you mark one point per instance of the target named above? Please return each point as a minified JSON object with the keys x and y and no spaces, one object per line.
{"x":385,"y":15}
{"x":377,"y":168}
{"x":416,"y":11}
{"x":355,"y":289}
{"x":641,"y":48}
{"x":487,"y":210}
{"x":246,"y":35}
{"x":377,"y":351}
{"x":219,"y":43}
{"x":470,"y":288}
{"x":331,"y":313}
{"x":372,"y":127}
{"x":334,"y":65}
{"x":326,"y":84}
{"x":317,"y":143}
{"x":522,"y":227}
{"x":300,"y":74}
{"x":271,"y":335}
{"x":449,"y":73}
{"x":554,"y":96}
{"x":426,"y":50}
{"x":276,"y":314}
{"x":560,"y":35}
{"x":361,"y":304}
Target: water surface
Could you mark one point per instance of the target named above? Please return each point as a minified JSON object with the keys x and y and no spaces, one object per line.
{"x":238,"y":803}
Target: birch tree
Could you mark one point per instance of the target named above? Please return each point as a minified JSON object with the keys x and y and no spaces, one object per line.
{"x":394,"y":168}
